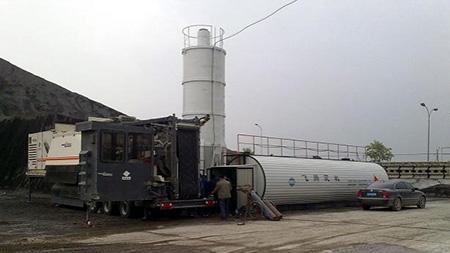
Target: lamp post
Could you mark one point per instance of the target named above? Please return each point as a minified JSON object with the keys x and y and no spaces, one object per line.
{"x":429,"y":116}
{"x":260,"y":137}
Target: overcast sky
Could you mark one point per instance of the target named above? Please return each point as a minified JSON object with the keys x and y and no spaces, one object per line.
{"x":347,"y":71}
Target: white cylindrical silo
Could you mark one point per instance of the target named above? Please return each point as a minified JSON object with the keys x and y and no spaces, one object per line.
{"x":204,"y":89}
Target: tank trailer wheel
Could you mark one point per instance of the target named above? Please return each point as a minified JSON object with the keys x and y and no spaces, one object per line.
{"x":422,"y":202}
{"x":397,"y":205}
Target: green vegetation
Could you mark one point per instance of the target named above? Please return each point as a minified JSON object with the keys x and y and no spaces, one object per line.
{"x":378,"y":152}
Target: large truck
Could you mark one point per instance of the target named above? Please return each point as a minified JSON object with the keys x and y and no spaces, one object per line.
{"x":120,"y":165}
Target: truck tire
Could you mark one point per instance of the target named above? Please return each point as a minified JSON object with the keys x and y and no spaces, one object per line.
{"x":108,"y":207}
{"x":93,"y":207}
{"x":126,"y":209}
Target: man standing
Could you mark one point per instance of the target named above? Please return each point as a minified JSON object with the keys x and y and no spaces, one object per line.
{"x":223,"y":190}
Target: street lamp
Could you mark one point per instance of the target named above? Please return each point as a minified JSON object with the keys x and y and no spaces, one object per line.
{"x":429,"y":116}
{"x":260,"y":137}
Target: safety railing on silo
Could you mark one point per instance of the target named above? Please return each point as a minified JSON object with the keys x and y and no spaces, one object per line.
{"x":286,"y":147}
{"x":191,"y":39}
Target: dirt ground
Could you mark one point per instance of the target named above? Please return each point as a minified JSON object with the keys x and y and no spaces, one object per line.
{"x":37,"y":226}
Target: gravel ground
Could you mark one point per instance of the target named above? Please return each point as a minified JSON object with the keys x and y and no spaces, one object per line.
{"x":37,"y":226}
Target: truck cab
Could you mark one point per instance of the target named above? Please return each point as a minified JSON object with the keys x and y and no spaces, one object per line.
{"x":116,"y":162}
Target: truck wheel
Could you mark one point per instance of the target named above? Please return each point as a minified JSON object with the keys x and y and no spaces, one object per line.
{"x":126,"y":209}
{"x":366,"y":207}
{"x":93,"y":207}
{"x":108,"y":207}
{"x":397,"y":205}
{"x":422,"y":202}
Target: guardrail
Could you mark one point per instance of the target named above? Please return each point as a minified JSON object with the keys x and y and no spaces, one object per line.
{"x":412,"y":170}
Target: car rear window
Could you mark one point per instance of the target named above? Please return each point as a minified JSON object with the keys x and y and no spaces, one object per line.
{"x":381,"y":185}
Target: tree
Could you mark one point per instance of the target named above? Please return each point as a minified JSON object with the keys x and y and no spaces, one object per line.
{"x":378,"y":152}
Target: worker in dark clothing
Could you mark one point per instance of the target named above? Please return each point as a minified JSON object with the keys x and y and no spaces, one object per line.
{"x":205,"y":186}
{"x":223,"y":190}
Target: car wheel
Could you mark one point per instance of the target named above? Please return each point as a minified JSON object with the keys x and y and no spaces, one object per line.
{"x":366,"y":207}
{"x":422,"y":202}
{"x":126,"y":209}
{"x":108,"y":207}
{"x":397,"y":205}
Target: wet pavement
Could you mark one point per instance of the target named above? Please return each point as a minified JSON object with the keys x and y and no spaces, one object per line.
{"x":38,"y":226}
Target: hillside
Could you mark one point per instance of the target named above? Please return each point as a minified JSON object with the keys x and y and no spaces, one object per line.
{"x":29,"y":103}
{"x":25,"y":95}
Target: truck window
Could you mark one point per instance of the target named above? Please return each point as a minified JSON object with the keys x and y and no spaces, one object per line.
{"x":112,"y":147}
{"x":139,"y":148}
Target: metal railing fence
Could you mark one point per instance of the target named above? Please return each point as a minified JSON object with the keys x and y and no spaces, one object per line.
{"x":276,"y":146}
